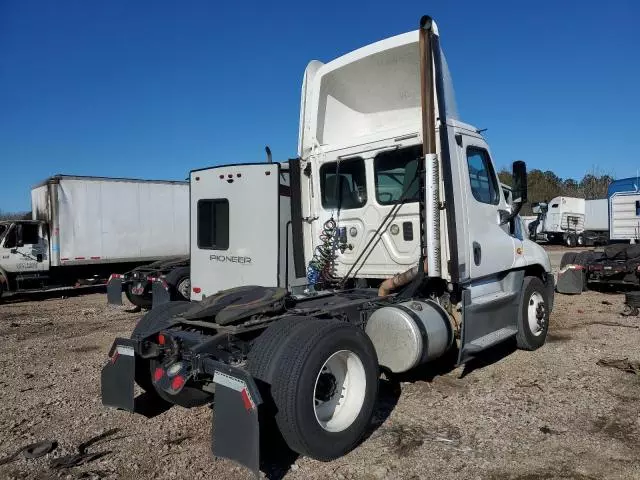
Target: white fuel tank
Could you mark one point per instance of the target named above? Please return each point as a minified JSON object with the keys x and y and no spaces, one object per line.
{"x":410,"y":333}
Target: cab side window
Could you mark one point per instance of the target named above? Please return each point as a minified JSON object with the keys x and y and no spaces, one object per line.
{"x":30,"y":234}
{"x":484,"y":185}
{"x":343,"y":186}
{"x":11,"y":240}
{"x":396,"y":175}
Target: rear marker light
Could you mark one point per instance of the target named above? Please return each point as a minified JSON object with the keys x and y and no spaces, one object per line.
{"x":158,"y":374}
{"x":177,"y":383}
{"x":248,"y":404}
{"x":161,"y":339}
{"x":221,"y":177}
{"x":197,"y":289}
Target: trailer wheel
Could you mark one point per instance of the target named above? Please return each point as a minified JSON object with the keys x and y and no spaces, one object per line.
{"x":534,"y":315}
{"x":150,"y":322}
{"x":183,"y":287}
{"x":142,"y":301}
{"x":324,"y":388}
{"x":570,"y":240}
{"x":567,"y":259}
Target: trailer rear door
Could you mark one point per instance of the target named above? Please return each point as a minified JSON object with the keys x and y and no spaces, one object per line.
{"x":234,"y":227}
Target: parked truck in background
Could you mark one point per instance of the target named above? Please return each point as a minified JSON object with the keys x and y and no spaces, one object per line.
{"x":387,"y":243}
{"x":150,"y":285}
{"x":571,"y":221}
{"x":85,"y":228}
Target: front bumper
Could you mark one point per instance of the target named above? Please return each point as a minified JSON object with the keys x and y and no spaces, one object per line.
{"x":235,"y":432}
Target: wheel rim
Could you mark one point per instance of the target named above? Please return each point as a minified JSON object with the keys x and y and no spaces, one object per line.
{"x":536,"y":313}
{"x":338,"y":394}
{"x":184,"y":288}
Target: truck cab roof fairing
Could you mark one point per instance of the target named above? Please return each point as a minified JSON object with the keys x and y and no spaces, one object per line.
{"x":366,"y":95}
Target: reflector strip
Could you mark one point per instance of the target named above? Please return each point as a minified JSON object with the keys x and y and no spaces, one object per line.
{"x":80,"y":258}
{"x":95,"y":258}
{"x":124,"y":350}
{"x":235,"y":384}
{"x":65,"y":258}
{"x":248,"y":404}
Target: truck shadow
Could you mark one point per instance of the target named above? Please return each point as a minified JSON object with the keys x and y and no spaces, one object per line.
{"x":32,"y":296}
{"x":277,"y":458}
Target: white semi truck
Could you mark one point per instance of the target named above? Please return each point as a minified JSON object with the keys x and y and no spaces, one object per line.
{"x":572,"y":221}
{"x":85,"y":228}
{"x":387,"y":243}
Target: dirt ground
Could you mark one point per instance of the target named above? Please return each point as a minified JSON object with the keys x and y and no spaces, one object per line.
{"x":550,"y":414}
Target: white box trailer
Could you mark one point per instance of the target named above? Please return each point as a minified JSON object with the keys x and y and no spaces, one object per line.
{"x":88,"y":227}
{"x":624,"y":208}
{"x":596,"y":215}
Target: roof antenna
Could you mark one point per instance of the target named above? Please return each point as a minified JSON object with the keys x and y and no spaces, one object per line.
{"x":269,"y":158}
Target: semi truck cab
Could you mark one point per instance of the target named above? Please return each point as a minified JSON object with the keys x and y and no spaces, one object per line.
{"x":24,"y":251}
{"x":393,"y":221}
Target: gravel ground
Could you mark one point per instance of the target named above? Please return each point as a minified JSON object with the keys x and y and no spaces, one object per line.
{"x":553,"y":413}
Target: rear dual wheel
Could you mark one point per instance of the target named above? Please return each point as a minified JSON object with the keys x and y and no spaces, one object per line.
{"x":324,"y":383}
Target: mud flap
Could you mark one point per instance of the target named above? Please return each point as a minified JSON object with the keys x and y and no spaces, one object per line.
{"x":235,"y":433}
{"x":571,"y":280}
{"x":159,"y":292}
{"x":114,"y":290}
{"x":118,"y":376}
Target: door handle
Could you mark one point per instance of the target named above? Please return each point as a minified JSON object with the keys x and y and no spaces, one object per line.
{"x":477,"y":253}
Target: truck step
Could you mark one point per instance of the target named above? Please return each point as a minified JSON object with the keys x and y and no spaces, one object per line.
{"x":490,"y":339}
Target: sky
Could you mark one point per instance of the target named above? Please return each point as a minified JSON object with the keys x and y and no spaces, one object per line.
{"x":154,"y":89}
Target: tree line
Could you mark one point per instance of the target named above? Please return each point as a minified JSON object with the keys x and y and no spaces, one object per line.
{"x":545,"y":185}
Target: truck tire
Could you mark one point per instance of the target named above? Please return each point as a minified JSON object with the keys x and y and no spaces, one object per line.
{"x":570,"y":240}
{"x":143,"y":301}
{"x":580,"y":241}
{"x":567,"y":259}
{"x":324,"y":387}
{"x":533,"y":323}
{"x":262,"y":357}
{"x":182,"y":287}
{"x":149,"y":322}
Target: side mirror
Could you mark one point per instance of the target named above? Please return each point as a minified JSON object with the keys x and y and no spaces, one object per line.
{"x":519,"y":181}
{"x":519,"y":193}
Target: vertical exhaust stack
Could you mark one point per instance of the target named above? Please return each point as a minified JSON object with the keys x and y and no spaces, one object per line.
{"x":430,"y":204}
{"x":269,"y":157}
{"x":430,"y":216}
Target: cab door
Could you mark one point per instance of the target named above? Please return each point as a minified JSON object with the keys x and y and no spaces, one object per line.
{"x":492,"y":247}
{"x":491,"y":293}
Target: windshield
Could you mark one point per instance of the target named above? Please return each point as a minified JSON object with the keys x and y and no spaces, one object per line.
{"x":3,"y":229}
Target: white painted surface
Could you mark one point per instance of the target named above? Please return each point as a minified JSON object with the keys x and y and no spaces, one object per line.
{"x":624,"y":221}
{"x":567,"y":214}
{"x":117,"y":220}
{"x":252,"y":254}
{"x":596,"y":214}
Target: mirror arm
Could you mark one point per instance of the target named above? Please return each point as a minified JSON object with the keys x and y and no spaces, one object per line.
{"x":506,"y":217}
